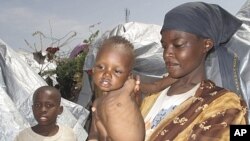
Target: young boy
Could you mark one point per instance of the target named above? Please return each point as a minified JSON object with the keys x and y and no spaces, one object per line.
{"x":115,"y":111}
{"x":46,"y":107}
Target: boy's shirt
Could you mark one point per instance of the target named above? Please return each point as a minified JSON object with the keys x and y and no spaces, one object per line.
{"x":64,"y":134}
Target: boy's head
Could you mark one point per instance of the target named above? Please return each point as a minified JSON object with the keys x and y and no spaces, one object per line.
{"x":46,"y":105}
{"x":114,"y":62}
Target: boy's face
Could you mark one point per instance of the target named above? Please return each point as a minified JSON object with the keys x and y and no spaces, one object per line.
{"x":46,"y":107}
{"x":112,"y":68}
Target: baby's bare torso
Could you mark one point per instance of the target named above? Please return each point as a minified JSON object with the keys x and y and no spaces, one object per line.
{"x":121,"y":117}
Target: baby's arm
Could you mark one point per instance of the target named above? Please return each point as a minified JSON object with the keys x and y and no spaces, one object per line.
{"x":157,"y":86}
{"x":98,"y":131}
{"x":93,"y":133}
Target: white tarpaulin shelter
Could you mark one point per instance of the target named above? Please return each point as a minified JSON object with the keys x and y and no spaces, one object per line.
{"x":18,"y":82}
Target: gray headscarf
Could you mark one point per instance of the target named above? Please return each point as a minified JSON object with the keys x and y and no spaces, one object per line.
{"x":208,"y":21}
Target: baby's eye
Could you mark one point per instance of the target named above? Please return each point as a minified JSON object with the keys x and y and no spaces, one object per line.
{"x":118,"y":71}
{"x":99,"y":67}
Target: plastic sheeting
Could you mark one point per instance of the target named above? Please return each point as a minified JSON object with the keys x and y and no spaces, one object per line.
{"x":18,"y":82}
{"x":240,"y":44}
{"x":149,"y":63}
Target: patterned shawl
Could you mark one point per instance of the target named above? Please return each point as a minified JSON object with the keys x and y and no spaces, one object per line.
{"x":206,"y":116}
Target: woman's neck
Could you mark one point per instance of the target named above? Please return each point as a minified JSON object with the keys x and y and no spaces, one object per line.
{"x":187,"y":82}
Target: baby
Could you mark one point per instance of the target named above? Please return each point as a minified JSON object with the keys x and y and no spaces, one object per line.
{"x":116,"y":110}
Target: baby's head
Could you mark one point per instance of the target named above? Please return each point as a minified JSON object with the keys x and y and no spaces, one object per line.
{"x":46,"y":105}
{"x":114,"y":63}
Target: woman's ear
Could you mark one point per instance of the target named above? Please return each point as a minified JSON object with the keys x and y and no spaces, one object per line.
{"x":208,"y":44}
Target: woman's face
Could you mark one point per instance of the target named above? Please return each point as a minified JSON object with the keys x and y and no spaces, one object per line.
{"x":184,"y":53}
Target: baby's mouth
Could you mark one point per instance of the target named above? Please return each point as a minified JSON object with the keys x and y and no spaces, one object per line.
{"x":105,"y":83}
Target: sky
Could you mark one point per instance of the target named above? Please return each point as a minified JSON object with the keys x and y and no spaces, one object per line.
{"x":19,"y":19}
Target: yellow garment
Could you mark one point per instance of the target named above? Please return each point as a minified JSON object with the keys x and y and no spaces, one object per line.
{"x":205,"y":116}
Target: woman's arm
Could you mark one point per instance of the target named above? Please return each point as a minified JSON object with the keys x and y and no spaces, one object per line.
{"x":157,"y":86}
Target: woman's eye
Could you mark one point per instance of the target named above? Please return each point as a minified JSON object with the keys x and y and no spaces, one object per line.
{"x":178,"y":45}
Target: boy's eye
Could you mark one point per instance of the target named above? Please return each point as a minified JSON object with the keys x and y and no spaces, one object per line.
{"x":37,"y":105}
{"x":49,"y":105}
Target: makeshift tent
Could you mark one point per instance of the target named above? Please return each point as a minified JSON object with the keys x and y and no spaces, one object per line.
{"x":18,"y":82}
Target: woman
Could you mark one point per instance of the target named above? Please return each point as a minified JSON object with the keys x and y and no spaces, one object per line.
{"x":193,"y":108}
